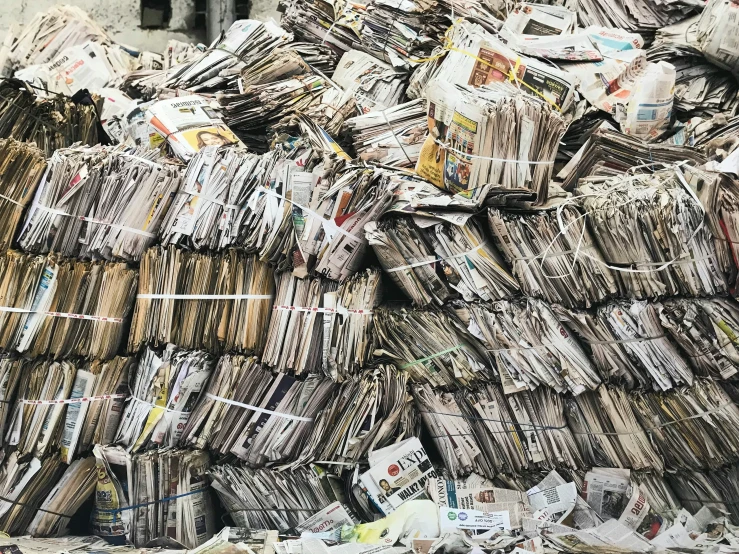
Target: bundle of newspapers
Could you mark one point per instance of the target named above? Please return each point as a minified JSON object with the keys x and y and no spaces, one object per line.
{"x":100,"y":203}
{"x":51,"y":123}
{"x":158,"y":493}
{"x":63,"y":307}
{"x":217,"y":302}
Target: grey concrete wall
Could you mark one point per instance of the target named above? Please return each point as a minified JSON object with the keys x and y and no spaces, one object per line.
{"x":121,"y":18}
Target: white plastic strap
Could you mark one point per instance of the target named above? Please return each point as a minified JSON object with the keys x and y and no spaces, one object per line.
{"x":63,"y":314}
{"x":460,"y":153}
{"x":139,"y":158}
{"x":11,"y":200}
{"x":155,"y":406}
{"x":210,"y":199}
{"x":321,"y":310}
{"x":328,"y":224}
{"x":206,"y":296}
{"x":434,"y":260}
{"x":257,"y":408}
{"x":73,"y":400}
{"x":97,"y":221}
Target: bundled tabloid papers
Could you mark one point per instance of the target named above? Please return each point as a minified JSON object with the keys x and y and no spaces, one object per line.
{"x":546,"y":251}
{"x":187,"y":124}
{"x":376,"y":85}
{"x":212,"y":301}
{"x":349,"y":330}
{"x":47,"y":35}
{"x":668,"y":248}
{"x":62,"y":307}
{"x":392,"y":136}
{"x":469,"y":149}
{"x":264,"y":498}
{"x":154,"y":494}
{"x":22,"y":168}
{"x":531,"y":347}
{"x":246,"y":39}
{"x":299,"y":320}
{"x":342,"y":433}
{"x":432,"y":346}
{"x":100,"y":203}
{"x":433,"y":261}
{"x":164,"y":389}
{"x":51,"y":123}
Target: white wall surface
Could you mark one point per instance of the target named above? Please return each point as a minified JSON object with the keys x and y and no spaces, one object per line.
{"x":121,"y":18}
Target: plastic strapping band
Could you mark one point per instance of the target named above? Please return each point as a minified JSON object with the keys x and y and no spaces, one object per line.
{"x":210,"y":199}
{"x":460,"y":153}
{"x":32,"y":507}
{"x":257,"y":408}
{"x":432,"y":356}
{"x":434,"y":260}
{"x":143,"y":160}
{"x":92,"y":220}
{"x":72,"y":400}
{"x":13,"y":201}
{"x":325,"y":222}
{"x":321,"y":310}
{"x":63,"y":314}
{"x":135,"y":399}
{"x":155,"y":296}
{"x":626,"y":341}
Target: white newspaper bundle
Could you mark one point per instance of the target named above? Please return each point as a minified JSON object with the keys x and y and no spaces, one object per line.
{"x":100,"y":202}
{"x":187,"y":124}
{"x":22,"y":167}
{"x":370,"y":411}
{"x":266,"y":499}
{"x":220,"y":64}
{"x":11,"y":369}
{"x":210,"y":205}
{"x":718,"y":34}
{"x":633,"y":15}
{"x":652,"y":231}
{"x":89,"y":66}
{"x":258,"y":417}
{"x":531,"y":347}
{"x":159,"y":493}
{"x":608,"y":431}
{"x":212,"y":423}
{"x":36,"y":428}
{"x":279,"y":434}
{"x":546,"y":257}
{"x":217,"y":302}
{"x":375,"y":85}
{"x":432,"y":346}
{"x":478,"y":495}
{"x":63,"y":307}
{"x":46,"y":35}
{"x":471,"y":150}
{"x":402,"y":33}
{"x":478,"y":58}
{"x":452,"y":432}
{"x":26,"y":483}
{"x":393,"y":136}
{"x":300,"y":317}
{"x":540,"y":20}
{"x":74,"y":488}
{"x":100,"y":390}
{"x":629,"y":344}
{"x":436,"y":260}
{"x":706,"y":330}
{"x":693,"y":427}
{"x":164,"y":390}
{"x":719,"y":195}
{"x":397,"y":473}
{"x":349,"y":330}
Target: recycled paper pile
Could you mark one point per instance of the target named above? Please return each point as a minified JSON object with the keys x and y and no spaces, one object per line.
{"x":441,"y":276}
